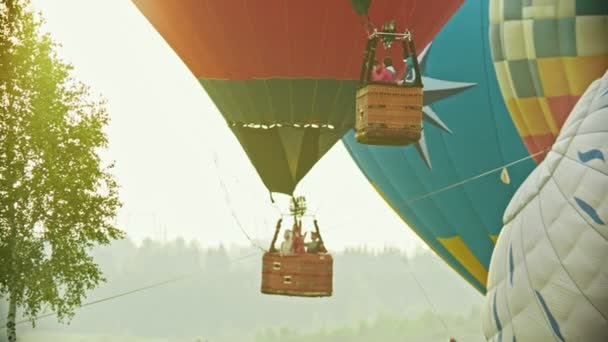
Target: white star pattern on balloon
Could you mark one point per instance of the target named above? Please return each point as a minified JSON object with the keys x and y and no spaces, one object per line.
{"x":435,"y":90}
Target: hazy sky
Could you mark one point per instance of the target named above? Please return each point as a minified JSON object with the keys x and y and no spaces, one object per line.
{"x":165,"y":133}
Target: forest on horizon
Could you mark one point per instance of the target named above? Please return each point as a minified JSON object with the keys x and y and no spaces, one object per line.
{"x":375,"y":295}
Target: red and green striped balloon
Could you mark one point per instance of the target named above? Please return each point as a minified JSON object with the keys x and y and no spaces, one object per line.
{"x":283,"y":73}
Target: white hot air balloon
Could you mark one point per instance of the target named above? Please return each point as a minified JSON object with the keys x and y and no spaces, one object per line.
{"x":548,"y":278}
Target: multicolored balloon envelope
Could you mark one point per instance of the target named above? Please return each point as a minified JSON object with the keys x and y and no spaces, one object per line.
{"x":452,"y":187}
{"x":546,"y":53}
{"x":548,"y":278}
{"x":467,"y":131}
{"x":283,"y":73}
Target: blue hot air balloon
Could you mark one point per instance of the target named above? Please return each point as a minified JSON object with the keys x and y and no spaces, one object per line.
{"x":452,"y":187}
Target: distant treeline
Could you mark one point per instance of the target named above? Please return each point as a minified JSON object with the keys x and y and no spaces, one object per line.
{"x":221,"y":300}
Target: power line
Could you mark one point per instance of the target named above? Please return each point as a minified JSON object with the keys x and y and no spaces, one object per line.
{"x":130,"y":292}
{"x":168,"y":281}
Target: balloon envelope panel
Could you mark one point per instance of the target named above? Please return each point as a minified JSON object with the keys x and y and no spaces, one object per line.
{"x":546,"y":53}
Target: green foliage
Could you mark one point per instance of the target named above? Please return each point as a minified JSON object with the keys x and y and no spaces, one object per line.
{"x":57,"y":199}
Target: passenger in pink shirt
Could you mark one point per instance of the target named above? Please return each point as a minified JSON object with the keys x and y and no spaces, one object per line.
{"x":381,"y":74}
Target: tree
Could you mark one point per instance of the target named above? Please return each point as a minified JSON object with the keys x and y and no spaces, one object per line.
{"x":57,"y":198}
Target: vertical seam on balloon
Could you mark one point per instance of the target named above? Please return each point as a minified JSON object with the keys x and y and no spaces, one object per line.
{"x":443,"y":215}
{"x":288,"y":49}
{"x":341,"y":82}
{"x":522,"y":22}
{"x":250,"y":98}
{"x":412,"y":14}
{"x":232,"y":101}
{"x":401,"y":10}
{"x":551,"y":114}
{"x":273,"y":113}
{"x":511,"y":84}
{"x":506,"y":296}
{"x":262,"y":62}
{"x":468,"y":196}
{"x":508,"y":82}
{"x":531,"y":287}
{"x":562,"y":58}
{"x":335,"y":101}
{"x":483,"y":16}
{"x":561,"y":264}
{"x":536,"y":82}
{"x":526,"y":42}
{"x":323,"y":42}
{"x":314,"y":99}
{"x":286,"y":158}
{"x":484,"y":13}
{"x":230,"y":92}
{"x":210,"y":9}
{"x":511,"y":265}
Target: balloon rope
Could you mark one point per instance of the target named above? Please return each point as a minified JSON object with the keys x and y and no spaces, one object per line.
{"x":238,"y":222}
{"x":368,"y":25}
{"x":421,"y":197}
{"x":346,"y":223}
{"x":426,"y":296}
{"x":276,"y":206}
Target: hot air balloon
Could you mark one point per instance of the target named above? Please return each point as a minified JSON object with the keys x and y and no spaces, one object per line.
{"x":548,"y":276}
{"x":453,"y":186}
{"x":546,"y":53}
{"x":448,"y":187}
{"x":284,"y":73}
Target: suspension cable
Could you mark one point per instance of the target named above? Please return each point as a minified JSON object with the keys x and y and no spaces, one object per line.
{"x":426,"y":296}
{"x":457,"y":184}
{"x":449,"y":187}
{"x":227,"y":197}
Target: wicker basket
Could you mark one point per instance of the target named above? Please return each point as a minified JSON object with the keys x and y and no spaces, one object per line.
{"x":388,"y":114}
{"x":302,"y":275}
